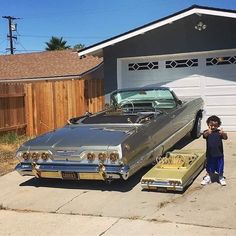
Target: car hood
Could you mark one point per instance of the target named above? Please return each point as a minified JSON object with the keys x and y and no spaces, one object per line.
{"x":78,"y":136}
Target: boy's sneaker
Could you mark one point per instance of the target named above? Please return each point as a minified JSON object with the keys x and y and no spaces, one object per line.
{"x":206,"y":180}
{"x":222,"y":181}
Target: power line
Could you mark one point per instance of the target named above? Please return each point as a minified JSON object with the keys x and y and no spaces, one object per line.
{"x":72,"y":37}
{"x":33,"y":50}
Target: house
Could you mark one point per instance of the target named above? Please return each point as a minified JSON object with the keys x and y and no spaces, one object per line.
{"x":39,"y":92}
{"x":192,"y":51}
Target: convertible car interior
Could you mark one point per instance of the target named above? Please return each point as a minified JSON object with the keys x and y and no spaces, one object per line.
{"x":135,"y":106}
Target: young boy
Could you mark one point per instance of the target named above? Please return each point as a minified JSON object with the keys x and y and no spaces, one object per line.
{"x":214,"y":150}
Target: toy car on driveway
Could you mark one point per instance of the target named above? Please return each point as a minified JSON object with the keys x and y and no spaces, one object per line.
{"x":175,"y":171}
{"x":140,"y":125}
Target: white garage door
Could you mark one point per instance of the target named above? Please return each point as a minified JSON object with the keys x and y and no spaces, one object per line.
{"x":211,"y":75}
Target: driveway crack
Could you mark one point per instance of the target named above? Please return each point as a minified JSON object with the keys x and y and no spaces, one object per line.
{"x":109,"y":227}
{"x":69,"y":201}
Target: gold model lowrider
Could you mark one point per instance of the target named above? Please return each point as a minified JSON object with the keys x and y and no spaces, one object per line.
{"x":175,"y":171}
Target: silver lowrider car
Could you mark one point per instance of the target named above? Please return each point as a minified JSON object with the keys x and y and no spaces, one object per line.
{"x":138,"y":127}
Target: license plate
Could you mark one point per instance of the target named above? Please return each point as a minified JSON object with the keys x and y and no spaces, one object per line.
{"x":69,"y":175}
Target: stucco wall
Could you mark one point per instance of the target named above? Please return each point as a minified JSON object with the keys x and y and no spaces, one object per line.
{"x":178,"y":37}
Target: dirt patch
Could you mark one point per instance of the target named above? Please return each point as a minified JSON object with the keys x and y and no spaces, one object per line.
{"x":8,"y":147}
{"x":7,"y":159}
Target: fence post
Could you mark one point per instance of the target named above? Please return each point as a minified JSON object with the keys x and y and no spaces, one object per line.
{"x":29,"y":109}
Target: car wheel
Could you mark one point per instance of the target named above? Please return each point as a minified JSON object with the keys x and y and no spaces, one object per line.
{"x":196,"y":131}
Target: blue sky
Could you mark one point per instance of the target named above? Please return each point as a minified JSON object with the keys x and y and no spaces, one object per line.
{"x":84,"y":21}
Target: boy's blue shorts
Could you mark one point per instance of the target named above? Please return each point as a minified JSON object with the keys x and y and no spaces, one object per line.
{"x":215,"y":164}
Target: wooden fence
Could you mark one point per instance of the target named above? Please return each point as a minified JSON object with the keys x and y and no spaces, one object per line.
{"x":12,"y":111}
{"x":43,"y":106}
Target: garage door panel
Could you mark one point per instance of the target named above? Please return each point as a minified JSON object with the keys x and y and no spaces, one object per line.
{"x":221,"y":82}
{"x":187,"y":92}
{"x":143,"y":84}
{"x":221,"y":110}
{"x":191,"y":81}
{"x":220,"y":70}
{"x":220,"y":90}
{"x":229,"y":120}
{"x":220,"y":100}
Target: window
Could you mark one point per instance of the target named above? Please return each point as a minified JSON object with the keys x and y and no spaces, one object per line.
{"x":152,"y":65}
{"x":181,"y":63}
{"x":211,"y":61}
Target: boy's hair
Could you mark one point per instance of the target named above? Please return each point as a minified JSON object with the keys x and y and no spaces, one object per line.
{"x":214,"y":118}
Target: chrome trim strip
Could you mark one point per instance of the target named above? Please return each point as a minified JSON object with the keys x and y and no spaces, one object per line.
{"x":160,"y":146}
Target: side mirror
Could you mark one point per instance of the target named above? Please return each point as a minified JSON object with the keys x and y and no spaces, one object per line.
{"x":106,"y":106}
{"x":179,"y":102}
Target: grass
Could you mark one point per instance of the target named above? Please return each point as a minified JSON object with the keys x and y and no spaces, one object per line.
{"x":9,"y":143}
{"x":12,"y":138}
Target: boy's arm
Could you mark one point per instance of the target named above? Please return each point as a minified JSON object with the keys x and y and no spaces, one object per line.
{"x":223,"y":134}
{"x":206,"y":133}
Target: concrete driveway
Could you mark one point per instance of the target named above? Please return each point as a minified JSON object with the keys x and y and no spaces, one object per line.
{"x":32,"y":207}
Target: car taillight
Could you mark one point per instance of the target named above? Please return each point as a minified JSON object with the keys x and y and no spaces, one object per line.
{"x":174,"y":182}
{"x":90,"y":156}
{"x":26,"y":156}
{"x":44,"y":156}
{"x":114,"y":156}
{"x":35,"y":156}
{"x":102,"y":156}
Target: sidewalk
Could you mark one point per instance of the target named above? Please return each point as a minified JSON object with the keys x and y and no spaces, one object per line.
{"x":19,"y":223}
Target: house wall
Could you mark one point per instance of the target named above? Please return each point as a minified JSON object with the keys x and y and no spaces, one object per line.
{"x":178,"y":37}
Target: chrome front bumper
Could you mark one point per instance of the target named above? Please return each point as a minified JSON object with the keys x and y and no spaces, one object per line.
{"x":93,"y":172}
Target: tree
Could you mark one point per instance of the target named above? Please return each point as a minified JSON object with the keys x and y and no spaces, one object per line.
{"x":79,"y":46}
{"x":56,"y":43}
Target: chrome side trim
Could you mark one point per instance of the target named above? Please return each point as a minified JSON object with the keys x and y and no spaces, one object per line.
{"x":159,"y":149}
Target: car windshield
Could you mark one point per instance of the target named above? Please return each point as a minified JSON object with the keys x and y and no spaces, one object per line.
{"x":143,"y":99}
{"x":140,"y":95}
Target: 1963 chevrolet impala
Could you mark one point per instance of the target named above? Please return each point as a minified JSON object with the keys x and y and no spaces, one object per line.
{"x":139,"y":126}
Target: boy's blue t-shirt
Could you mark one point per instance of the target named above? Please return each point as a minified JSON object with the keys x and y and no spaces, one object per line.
{"x":214,"y":144}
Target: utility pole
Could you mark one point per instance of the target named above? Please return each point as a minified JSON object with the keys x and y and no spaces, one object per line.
{"x":11,"y":27}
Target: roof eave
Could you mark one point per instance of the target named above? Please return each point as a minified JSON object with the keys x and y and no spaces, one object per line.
{"x":98,"y":48}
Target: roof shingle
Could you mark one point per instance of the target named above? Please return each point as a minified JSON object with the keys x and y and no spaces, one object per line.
{"x":45,"y":65}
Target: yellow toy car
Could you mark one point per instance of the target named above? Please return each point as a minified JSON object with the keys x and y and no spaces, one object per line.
{"x":175,"y":171}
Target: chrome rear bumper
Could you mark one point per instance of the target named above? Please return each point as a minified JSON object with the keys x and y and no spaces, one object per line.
{"x":161,"y":187}
{"x":93,"y":172}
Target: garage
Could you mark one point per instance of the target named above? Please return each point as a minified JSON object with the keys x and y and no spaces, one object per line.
{"x":211,"y":75}
{"x":192,"y":51}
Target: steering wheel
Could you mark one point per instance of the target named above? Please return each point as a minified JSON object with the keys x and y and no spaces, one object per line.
{"x":127,"y":102}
